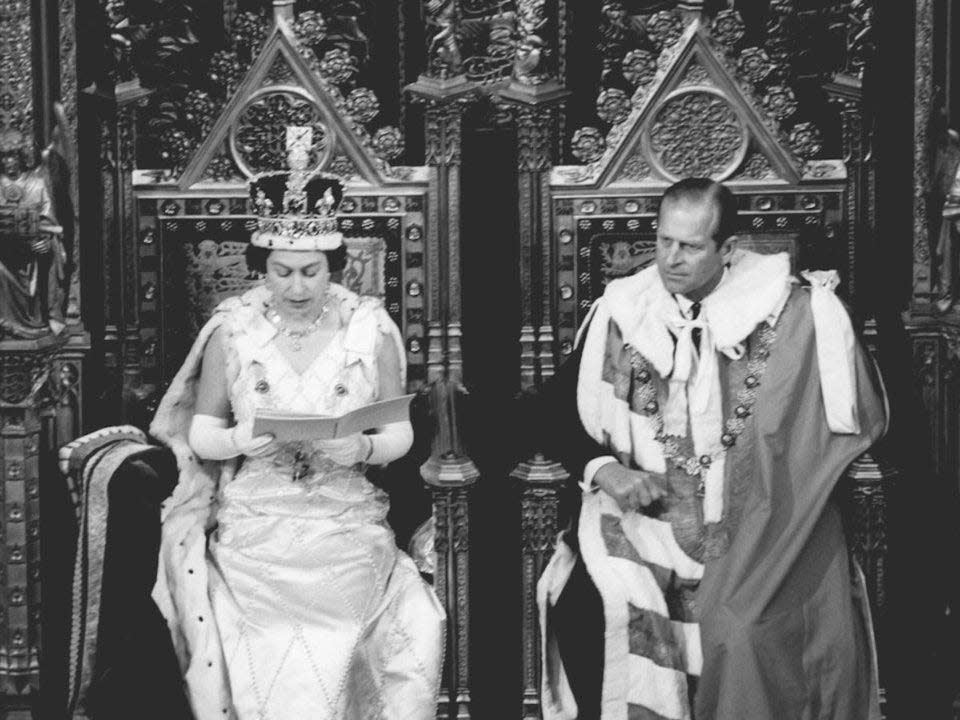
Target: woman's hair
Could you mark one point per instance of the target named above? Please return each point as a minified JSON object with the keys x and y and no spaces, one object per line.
{"x":257,"y":258}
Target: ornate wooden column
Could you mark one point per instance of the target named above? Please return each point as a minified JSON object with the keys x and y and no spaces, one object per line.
{"x":450,"y":474}
{"x":922,"y":109}
{"x":39,"y":409}
{"x":540,"y":482}
{"x":128,"y":97}
{"x":445,"y":92}
{"x":39,"y":371}
{"x":536,"y":95}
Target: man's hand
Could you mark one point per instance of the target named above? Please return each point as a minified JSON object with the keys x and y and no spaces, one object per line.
{"x":631,"y":489}
{"x":42,"y":245}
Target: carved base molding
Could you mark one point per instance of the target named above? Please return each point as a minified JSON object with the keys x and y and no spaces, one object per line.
{"x":541,"y":481}
{"x":40,"y":402}
{"x":450,"y":478}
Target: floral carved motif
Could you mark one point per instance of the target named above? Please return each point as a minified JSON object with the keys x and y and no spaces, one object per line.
{"x":613,"y":106}
{"x":639,"y":67}
{"x":780,"y":102}
{"x":805,"y":140}
{"x":754,"y":65}
{"x":338,"y":66}
{"x":588,"y":144}
{"x":635,"y":169}
{"x":363,"y":105}
{"x":757,"y":167}
{"x":388,"y":142}
{"x":665,"y":28}
{"x":728,"y":28}
{"x":697,"y":133}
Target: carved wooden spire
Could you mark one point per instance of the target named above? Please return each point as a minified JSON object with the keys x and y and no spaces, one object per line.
{"x":283,"y":10}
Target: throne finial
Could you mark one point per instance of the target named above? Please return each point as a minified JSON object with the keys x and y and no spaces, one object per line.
{"x":283,"y":11}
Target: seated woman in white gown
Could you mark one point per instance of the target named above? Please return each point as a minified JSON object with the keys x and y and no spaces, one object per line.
{"x":279,"y":577}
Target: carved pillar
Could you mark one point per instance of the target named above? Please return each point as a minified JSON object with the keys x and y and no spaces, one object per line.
{"x":536,"y":95}
{"x":32,"y":423}
{"x":871,"y":481}
{"x":845,"y":93}
{"x":540,"y":484}
{"x":128,"y":97}
{"x":922,"y":108}
{"x":450,"y":474}
{"x":445,"y":92}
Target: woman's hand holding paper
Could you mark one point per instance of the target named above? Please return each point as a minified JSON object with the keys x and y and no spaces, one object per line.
{"x":348,"y":450}
{"x":249,"y":445}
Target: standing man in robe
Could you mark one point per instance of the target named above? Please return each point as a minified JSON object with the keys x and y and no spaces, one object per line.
{"x":707,"y":575}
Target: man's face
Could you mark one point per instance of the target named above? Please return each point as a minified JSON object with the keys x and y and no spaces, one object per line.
{"x":688,"y":259}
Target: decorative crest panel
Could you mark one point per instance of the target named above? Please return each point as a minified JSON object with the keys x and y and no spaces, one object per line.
{"x":288,"y":85}
{"x":696,"y":110}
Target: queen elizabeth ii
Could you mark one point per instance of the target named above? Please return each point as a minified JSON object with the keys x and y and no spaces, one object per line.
{"x":279,"y":578}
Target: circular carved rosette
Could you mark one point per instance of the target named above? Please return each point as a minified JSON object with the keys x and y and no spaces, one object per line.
{"x":665,"y":28}
{"x":588,"y":144}
{"x":806,"y":140}
{"x":754,"y":65}
{"x":639,"y":67}
{"x":728,"y":28}
{"x":696,"y":133}
{"x":613,"y":105}
{"x":258,"y":139}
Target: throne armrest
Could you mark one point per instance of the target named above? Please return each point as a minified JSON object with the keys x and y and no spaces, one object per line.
{"x":121,"y":659}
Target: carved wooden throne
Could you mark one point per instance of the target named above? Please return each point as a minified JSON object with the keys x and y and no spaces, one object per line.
{"x":697,"y":111}
{"x":188,"y":229}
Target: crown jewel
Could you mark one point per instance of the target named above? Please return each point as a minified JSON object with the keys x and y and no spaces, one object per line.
{"x":296,"y":209}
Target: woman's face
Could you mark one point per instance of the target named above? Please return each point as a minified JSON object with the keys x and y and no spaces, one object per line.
{"x":299,"y":281}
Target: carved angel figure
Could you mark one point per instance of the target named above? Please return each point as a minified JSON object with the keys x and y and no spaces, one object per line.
{"x":443,"y":49}
{"x":531,"y":53}
{"x":34,"y":272}
{"x":946,"y":195}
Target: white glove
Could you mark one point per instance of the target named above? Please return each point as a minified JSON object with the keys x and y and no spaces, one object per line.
{"x":346,"y":451}
{"x":246,"y":443}
{"x":211,"y":439}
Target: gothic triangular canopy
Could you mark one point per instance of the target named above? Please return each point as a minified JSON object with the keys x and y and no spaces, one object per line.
{"x":282,"y":74}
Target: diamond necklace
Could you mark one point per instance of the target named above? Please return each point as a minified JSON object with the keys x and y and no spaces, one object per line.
{"x":296,"y":335}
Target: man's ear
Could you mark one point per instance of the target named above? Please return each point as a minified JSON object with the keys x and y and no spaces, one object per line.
{"x":729,"y":245}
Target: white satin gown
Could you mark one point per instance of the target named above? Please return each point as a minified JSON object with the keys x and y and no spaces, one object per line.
{"x":319,"y":614}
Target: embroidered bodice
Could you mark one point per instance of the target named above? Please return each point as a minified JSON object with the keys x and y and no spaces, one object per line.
{"x":342,"y":377}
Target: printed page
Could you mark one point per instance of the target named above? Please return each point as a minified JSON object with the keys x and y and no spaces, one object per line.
{"x":291,"y":427}
{"x":374,"y":415}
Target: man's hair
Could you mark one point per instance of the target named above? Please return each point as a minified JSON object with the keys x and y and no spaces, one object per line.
{"x":704,"y":190}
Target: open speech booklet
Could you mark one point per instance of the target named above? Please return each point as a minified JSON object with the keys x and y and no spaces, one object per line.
{"x":288,"y":427}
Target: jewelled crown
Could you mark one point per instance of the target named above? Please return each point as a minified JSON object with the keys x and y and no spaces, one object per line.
{"x":296,"y":209}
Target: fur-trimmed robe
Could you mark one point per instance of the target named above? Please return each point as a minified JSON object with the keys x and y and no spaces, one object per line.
{"x":778,"y":626}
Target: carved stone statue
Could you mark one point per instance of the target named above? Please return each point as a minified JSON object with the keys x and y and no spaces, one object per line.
{"x":33,"y":278}
{"x":947,"y":191}
{"x":443,"y":49}
{"x":529,"y":65}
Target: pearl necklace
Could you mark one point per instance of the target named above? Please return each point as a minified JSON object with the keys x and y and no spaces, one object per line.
{"x":297,"y":335}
